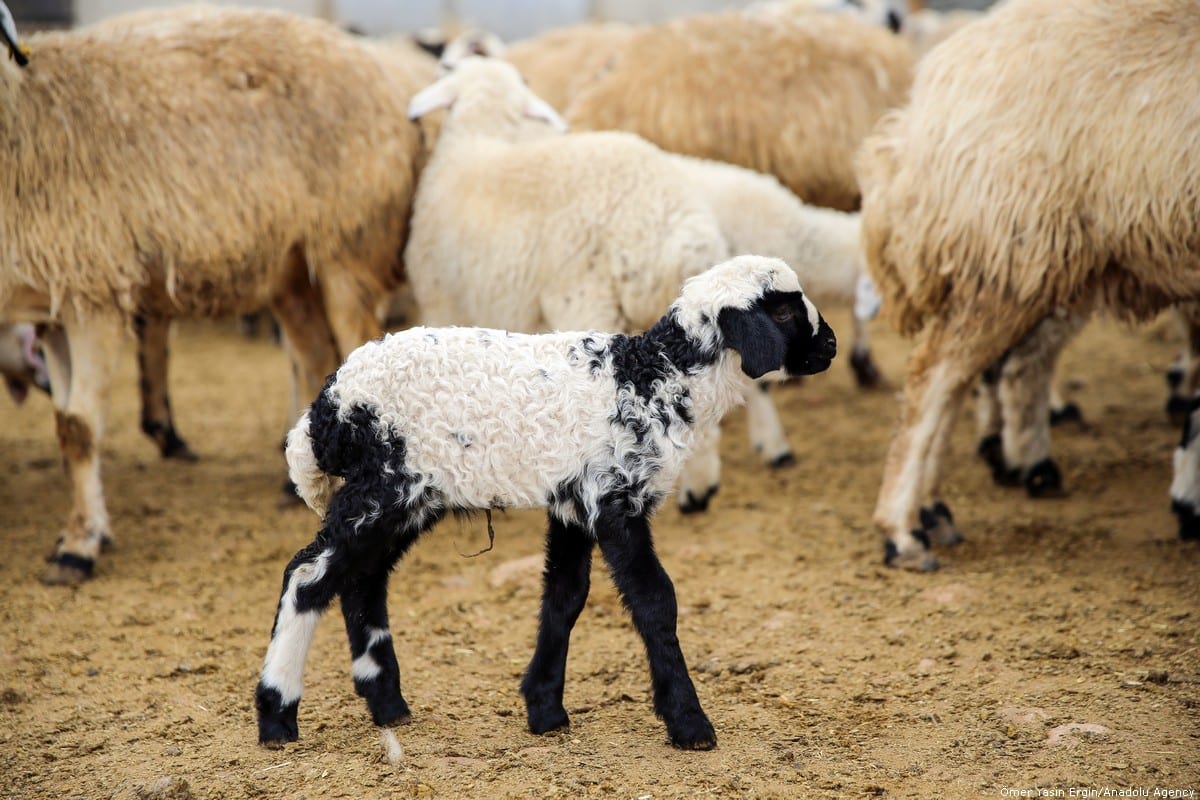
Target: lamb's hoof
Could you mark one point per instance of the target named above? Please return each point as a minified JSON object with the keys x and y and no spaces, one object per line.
{"x":276,"y":721}
{"x":692,"y":732}
{"x":1189,"y":520}
{"x":67,"y":570}
{"x":691,"y":504}
{"x":548,"y":720}
{"x":918,"y":561}
{"x":1178,"y":409}
{"x":938,"y":524}
{"x":866,"y":374}
{"x":991,"y":450}
{"x":787,"y":459}
{"x":1044,"y":480}
{"x":1068,"y":413}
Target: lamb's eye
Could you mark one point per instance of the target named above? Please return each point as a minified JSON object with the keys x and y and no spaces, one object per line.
{"x":783,"y":314}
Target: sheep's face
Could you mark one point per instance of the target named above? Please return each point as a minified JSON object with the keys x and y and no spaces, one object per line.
{"x":779,"y":331}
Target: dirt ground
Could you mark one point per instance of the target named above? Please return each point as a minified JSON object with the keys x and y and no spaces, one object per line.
{"x":1055,"y":650}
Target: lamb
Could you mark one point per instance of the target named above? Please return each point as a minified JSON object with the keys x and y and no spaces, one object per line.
{"x":986,"y":207}
{"x":592,"y":426}
{"x":715,"y":86}
{"x":891,"y":14}
{"x":518,"y":226}
{"x":195,"y":162}
{"x":758,"y":215}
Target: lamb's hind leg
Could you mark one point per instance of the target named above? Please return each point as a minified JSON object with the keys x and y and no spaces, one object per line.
{"x":649,"y":595}
{"x":565,"y":584}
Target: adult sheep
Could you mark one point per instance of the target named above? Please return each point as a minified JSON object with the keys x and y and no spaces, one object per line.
{"x":999,"y":195}
{"x":789,"y":95}
{"x":195,"y":162}
{"x":519,"y":226}
{"x":594,"y":427}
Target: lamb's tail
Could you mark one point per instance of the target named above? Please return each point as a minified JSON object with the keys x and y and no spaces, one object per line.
{"x":313,"y":484}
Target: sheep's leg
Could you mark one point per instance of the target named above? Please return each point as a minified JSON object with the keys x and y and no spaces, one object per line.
{"x":648,"y":593}
{"x":1025,"y":390}
{"x":702,"y":473}
{"x":767,"y":436}
{"x":352,"y":311}
{"x":989,"y":419}
{"x":374,"y":666}
{"x":157,"y":420}
{"x":940,"y":372}
{"x":81,"y":357}
{"x":1185,"y":486}
{"x":308,"y":587}
{"x":1183,"y":377}
{"x":565,"y":584}
{"x":866,"y":373}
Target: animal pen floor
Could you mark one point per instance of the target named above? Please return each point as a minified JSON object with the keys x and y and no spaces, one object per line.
{"x":1057,"y":647}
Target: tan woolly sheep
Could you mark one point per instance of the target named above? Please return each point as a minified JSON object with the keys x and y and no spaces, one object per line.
{"x":1062,"y":175}
{"x":195,"y":162}
{"x":792,"y":96}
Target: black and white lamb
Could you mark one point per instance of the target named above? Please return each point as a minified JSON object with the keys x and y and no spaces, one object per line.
{"x":592,"y":426}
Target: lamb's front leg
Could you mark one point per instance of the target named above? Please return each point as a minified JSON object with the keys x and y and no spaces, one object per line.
{"x":702,"y":473}
{"x":649,"y":595}
{"x":565,"y":585}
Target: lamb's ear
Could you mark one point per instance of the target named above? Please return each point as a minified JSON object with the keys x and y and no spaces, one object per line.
{"x":439,"y":95}
{"x":537,"y":108}
{"x":757,"y":339}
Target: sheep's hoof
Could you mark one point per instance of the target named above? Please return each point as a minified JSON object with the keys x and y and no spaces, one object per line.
{"x":1189,"y":520}
{"x":866,"y":374}
{"x":690,"y":504}
{"x":1178,"y":409}
{"x":1068,"y":413}
{"x":276,"y":721}
{"x":694,"y":732}
{"x":177,"y":449}
{"x":938,"y":524}
{"x":67,"y":570}
{"x":787,"y":459}
{"x":919,"y":561}
{"x":991,"y":451}
{"x":1044,"y":480}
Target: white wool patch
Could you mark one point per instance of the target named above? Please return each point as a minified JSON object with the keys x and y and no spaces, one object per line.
{"x":283,"y":667}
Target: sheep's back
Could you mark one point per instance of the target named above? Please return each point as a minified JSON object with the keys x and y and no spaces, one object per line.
{"x":790,"y":97}
{"x":1051,"y":147}
{"x":182,"y":152}
{"x":498,"y":227}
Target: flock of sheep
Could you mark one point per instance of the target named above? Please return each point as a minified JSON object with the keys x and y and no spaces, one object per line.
{"x":993,"y":191}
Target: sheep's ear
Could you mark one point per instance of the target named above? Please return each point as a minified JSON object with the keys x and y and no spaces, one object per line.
{"x":537,"y":108}
{"x":440,"y":95}
{"x":758,"y":340}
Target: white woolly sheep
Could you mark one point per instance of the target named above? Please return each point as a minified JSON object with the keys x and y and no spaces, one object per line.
{"x":518,"y":226}
{"x":757,"y":214}
{"x":789,"y":95}
{"x":891,"y":14}
{"x":594,"y":427}
{"x":195,"y":162}
{"x":997,"y":196}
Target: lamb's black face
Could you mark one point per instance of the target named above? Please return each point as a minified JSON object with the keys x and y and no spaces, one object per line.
{"x":782,"y":330}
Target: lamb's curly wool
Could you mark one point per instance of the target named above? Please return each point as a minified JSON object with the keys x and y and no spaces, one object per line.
{"x":195,"y":162}
{"x":1062,"y":174}
{"x":592,"y":426}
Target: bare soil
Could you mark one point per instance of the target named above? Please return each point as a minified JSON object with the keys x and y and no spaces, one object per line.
{"x":1057,"y":647}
